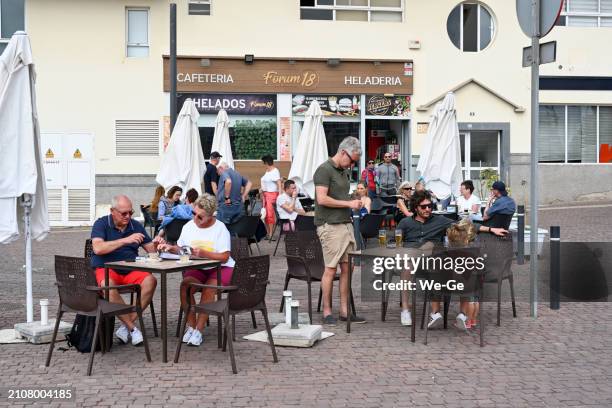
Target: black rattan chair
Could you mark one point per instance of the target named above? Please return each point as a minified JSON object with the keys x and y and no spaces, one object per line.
{"x":246,"y":227}
{"x":88,"y":252}
{"x":280,"y":224}
{"x":240,"y":250}
{"x":304,"y":223}
{"x":173,"y":230}
{"x":149,"y":220}
{"x":79,"y":293}
{"x":498,"y":265}
{"x":369,"y":226}
{"x":246,"y":293}
{"x":305,"y":263}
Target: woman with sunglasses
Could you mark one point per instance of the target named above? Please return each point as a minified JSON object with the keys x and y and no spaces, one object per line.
{"x":208,"y":238}
{"x":403,"y":202}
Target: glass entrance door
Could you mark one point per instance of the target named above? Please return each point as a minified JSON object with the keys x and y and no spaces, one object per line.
{"x":480,"y":150}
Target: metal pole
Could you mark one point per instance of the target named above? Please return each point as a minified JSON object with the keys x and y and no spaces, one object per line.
{"x":520,"y":235}
{"x":172,"y":66}
{"x":26,"y":202}
{"x":555,"y":268}
{"x":535,"y":107}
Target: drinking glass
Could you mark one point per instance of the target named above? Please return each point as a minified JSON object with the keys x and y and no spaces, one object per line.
{"x":398,"y":237}
{"x":382,"y":238}
{"x":184,"y":258}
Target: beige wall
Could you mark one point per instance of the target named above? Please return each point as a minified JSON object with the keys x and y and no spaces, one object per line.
{"x":85,"y":81}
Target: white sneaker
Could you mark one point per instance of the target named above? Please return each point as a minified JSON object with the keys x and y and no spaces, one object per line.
{"x":435,"y":319}
{"x":195,"y":339}
{"x":187,"y":334}
{"x":461,"y":321}
{"x":406,"y":318}
{"x":122,"y":334}
{"x":136,"y":336}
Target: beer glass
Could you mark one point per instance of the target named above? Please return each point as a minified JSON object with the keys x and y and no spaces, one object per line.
{"x":382,"y":238}
{"x":398,"y":237}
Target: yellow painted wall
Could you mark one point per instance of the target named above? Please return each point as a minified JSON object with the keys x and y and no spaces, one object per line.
{"x":85,"y":81}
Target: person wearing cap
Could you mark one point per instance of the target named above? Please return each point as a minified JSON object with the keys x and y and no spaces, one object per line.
{"x":211,"y":178}
{"x":499,"y":202}
{"x":368,"y":177}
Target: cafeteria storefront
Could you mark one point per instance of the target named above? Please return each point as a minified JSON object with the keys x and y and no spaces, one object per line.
{"x":267,"y":99}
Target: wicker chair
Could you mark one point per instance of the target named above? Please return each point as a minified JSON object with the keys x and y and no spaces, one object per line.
{"x":149,"y":220}
{"x":246,"y":227}
{"x":280,"y":223}
{"x":369,"y":226}
{"x":88,"y":253}
{"x":246,"y":293}
{"x":304,"y":223}
{"x":305,"y":263}
{"x":78,"y":293}
{"x":240,"y":250}
{"x":498,"y":265}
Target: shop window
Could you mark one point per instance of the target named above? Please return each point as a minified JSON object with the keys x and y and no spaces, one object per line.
{"x":352,"y":10}
{"x":586,"y":13}
{"x":199,"y":7}
{"x":574,"y":134}
{"x":137,"y":32}
{"x":11,"y":20}
{"x":470,"y":27}
{"x":137,"y":138}
{"x":250,"y":139}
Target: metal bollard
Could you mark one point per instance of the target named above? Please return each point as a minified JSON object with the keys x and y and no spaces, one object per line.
{"x":520,"y":234}
{"x":287,"y":296}
{"x":44,"y":312}
{"x":294,"y":314}
{"x":555,"y":268}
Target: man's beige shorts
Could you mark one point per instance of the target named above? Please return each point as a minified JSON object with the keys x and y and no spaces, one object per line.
{"x":337,"y":240}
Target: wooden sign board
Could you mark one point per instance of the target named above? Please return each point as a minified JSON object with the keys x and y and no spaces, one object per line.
{"x":290,"y":76}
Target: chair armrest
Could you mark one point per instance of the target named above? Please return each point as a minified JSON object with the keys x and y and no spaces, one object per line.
{"x":204,"y":286}
{"x":133,"y":287}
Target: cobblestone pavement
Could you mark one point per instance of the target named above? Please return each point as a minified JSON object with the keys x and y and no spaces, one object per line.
{"x":563,"y":358}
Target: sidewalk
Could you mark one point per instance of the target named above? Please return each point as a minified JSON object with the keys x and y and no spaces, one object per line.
{"x":564,"y":358}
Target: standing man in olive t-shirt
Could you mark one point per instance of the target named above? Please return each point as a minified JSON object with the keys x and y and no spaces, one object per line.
{"x":333,"y":221}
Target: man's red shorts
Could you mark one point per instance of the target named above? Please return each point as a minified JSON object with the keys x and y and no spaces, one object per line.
{"x":118,"y":279}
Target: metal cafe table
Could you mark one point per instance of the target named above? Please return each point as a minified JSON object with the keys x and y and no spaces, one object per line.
{"x":434,"y":250}
{"x":383,"y":252}
{"x":162,"y":268}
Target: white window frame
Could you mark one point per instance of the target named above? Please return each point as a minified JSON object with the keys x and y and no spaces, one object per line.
{"x":127,"y":44}
{"x":478,"y":10}
{"x":569,"y":14}
{"x":209,"y":2}
{"x":367,"y":8}
{"x":466,"y":166}
{"x":566,"y":135}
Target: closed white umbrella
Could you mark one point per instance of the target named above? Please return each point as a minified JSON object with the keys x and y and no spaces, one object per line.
{"x":21,"y":167}
{"x":311,"y":150}
{"x":440,"y":161}
{"x":183,"y":162}
{"x":221,"y":138}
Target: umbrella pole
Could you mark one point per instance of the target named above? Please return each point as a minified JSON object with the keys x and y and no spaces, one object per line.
{"x":26,"y":202}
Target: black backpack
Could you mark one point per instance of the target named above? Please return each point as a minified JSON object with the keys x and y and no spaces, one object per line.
{"x":81,"y":335}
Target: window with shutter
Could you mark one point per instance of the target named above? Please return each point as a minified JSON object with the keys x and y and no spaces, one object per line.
{"x":581,"y":134}
{"x":137,"y":138}
{"x":551,"y":135}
